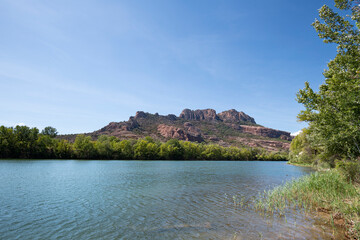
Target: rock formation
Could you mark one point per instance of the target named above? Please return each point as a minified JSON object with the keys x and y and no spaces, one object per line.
{"x":270,"y":145}
{"x":266,"y":132}
{"x":181,"y":134}
{"x":206,"y":114}
{"x":191,"y":129}
{"x":141,"y":114}
{"x":226,"y":128}
{"x":233,"y":116}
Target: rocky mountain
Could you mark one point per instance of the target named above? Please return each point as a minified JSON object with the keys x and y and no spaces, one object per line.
{"x":198,"y":115}
{"x":226,"y":128}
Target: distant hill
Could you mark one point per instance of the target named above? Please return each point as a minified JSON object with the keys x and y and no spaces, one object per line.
{"x":226,"y":128}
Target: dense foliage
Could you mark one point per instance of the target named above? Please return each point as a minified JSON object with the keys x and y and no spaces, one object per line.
{"x":300,"y":149}
{"x":25,"y":142}
{"x":333,"y":113}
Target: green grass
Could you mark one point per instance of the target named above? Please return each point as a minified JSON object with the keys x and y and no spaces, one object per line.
{"x":319,"y":191}
{"x":301,"y":164}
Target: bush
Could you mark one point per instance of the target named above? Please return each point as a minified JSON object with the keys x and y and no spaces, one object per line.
{"x":300,"y":150}
{"x":349,"y":169}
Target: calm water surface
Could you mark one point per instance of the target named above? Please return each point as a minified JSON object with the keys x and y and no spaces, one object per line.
{"x":54,"y":199}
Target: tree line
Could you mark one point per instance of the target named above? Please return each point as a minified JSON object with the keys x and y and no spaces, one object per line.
{"x":28,"y":143}
{"x":333,"y":112}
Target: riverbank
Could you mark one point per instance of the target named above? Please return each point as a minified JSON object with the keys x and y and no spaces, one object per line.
{"x":302,"y":164}
{"x":326,"y":192}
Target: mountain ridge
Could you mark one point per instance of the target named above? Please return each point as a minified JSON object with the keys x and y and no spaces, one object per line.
{"x":226,"y":128}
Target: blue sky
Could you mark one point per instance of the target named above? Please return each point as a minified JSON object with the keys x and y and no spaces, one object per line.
{"x":78,"y":65}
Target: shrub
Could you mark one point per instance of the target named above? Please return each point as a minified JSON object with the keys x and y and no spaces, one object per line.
{"x":349,"y":169}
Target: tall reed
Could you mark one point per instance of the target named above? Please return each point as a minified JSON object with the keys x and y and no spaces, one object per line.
{"x":327,"y":191}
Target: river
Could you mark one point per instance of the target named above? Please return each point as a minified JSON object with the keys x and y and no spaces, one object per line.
{"x":70,"y":199}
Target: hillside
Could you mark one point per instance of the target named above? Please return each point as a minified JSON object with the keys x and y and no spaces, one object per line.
{"x":226,"y":128}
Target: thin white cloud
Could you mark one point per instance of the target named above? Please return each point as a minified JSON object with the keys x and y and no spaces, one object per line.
{"x":296,"y":133}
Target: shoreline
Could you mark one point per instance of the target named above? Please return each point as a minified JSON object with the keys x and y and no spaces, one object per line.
{"x":139,"y":160}
{"x":303,"y":165}
{"x":312,"y":193}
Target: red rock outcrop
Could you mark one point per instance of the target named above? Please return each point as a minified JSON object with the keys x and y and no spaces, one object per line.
{"x":269,"y":145}
{"x":191,"y":129}
{"x":178,"y":133}
{"x":266,"y":132}
{"x":206,"y":114}
{"x":234,"y":116}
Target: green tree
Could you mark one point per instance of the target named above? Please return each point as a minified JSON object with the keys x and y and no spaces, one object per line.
{"x":172,"y":150}
{"x":49,"y":131}
{"x":45,"y":147}
{"x":301,"y":150}
{"x":125,"y":150}
{"x":84,"y":148}
{"x":25,"y":141}
{"x":104,"y":147}
{"x":152,"y":151}
{"x":333,"y":113}
{"x":192,"y":151}
{"x":7,"y":142}
{"x":64,"y":150}
{"x":213,"y":152}
{"x":146,"y":149}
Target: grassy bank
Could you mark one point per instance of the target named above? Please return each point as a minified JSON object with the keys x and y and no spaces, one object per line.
{"x":326,"y":192}
{"x":301,"y":164}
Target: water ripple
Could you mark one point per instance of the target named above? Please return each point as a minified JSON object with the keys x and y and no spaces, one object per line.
{"x":143,"y":200}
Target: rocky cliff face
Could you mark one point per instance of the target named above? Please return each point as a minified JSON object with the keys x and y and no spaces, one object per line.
{"x":233,"y":116}
{"x":198,"y":115}
{"x":182,"y":134}
{"x":266,"y":132}
{"x":226,"y":128}
{"x":230,"y":116}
